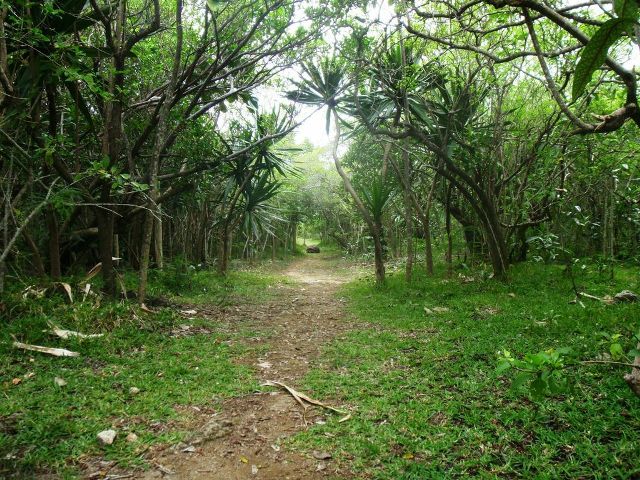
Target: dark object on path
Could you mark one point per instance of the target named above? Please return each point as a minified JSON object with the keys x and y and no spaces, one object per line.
{"x":625,"y":296}
{"x":313,"y":249}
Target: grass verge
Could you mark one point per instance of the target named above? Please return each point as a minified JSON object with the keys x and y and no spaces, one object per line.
{"x":427,"y":400}
{"x":176,"y":362}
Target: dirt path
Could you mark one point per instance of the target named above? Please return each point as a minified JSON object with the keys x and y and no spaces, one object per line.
{"x":246,"y":439}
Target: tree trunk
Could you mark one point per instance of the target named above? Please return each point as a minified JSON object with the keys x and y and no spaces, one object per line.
{"x":495,"y":241}
{"x":487,"y":214}
{"x":449,"y":253}
{"x":408,"y":219}
{"x":116,"y":246}
{"x":378,"y":253}
{"x":408,"y":213}
{"x":105,"y":244}
{"x":273,"y":248}
{"x":158,"y":244}
{"x":428,"y":248}
{"x":37,"y":258}
{"x":154,"y":161}
{"x":426,"y":227}
{"x":144,"y":256}
{"x":522,"y":246}
{"x":55,"y":270}
{"x":5,"y":224}
{"x":474,"y":240}
{"x":294,"y":237}
{"x":223,"y":250}
{"x":608,"y":224}
{"x":374,"y":227}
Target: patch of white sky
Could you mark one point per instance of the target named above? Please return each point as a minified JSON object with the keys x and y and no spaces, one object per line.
{"x":312,"y":128}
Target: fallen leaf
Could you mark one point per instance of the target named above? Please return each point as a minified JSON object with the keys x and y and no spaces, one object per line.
{"x":92,"y":273}
{"x":58,"y":352}
{"x":164,"y":469}
{"x":440,"y":309}
{"x":66,"y":334}
{"x":33,"y":291}
{"x":301,"y":397}
{"x":144,"y":308}
{"x":86,"y":290}
{"x":244,"y":459}
{"x":16,"y":381}
{"x":61,"y":382}
{"x":67,"y":289}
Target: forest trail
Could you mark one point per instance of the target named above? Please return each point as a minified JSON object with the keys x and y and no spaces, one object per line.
{"x":246,"y":438}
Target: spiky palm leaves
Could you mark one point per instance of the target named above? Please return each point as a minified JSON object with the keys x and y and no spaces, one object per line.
{"x":322,"y":84}
{"x":254,"y":177}
{"x":376,"y":195}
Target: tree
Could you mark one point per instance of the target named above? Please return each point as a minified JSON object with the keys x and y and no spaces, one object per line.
{"x":325,"y":84}
{"x":512,"y":33}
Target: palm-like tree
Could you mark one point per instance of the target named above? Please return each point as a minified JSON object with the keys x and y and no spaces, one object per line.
{"x":326,"y":84}
{"x":252,"y":179}
{"x":440,"y":114}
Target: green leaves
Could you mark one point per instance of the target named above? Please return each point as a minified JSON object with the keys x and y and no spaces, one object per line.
{"x":376,"y":195}
{"x":616,"y":351}
{"x":216,"y":5}
{"x":626,"y":8}
{"x":595,"y":52}
{"x":520,"y":380}
{"x":616,"y":345}
{"x":542,"y":372}
{"x":322,"y":83}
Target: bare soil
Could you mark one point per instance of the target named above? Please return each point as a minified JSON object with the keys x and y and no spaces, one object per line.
{"x":246,"y":439}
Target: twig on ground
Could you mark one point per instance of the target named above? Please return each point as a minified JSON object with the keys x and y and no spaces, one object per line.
{"x":301,"y":397}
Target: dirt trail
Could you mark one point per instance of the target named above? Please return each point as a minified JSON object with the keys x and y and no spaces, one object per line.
{"x":245,"y":439}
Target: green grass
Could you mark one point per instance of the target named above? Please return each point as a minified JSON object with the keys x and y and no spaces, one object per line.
{"x":247,"y":284}
{"x":47,"y":428}
{"x":426,"y":399}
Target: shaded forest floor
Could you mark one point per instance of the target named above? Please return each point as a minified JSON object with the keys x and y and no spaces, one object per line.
{"x":196,"y":365}
{"x":248,"y":436}
{"x":414,"y":365}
